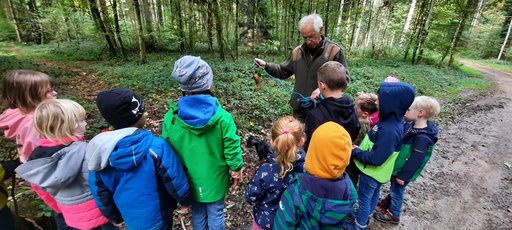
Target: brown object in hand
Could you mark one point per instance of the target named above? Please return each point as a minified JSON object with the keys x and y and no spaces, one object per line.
{"x":258,"y":84}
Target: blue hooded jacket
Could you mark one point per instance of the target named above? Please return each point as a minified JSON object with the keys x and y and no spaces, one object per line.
{"x":383,"y":142}
{"x":142,"y":181}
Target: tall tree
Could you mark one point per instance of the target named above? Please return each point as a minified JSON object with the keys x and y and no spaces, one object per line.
{"x":218,"y":22}
{"x":118,"y":29}
{"x":477,"y":15}
{"x":99,"y":23}
{"x":14,"y":20}
{"x":149,"y":23}
{"x":140,"y":31}
{"x":106,"y":20}
{"x":407,"y":23}
{"x":424,"y":33}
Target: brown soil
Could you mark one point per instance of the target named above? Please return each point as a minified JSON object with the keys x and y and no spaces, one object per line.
{"x":467,"y":183}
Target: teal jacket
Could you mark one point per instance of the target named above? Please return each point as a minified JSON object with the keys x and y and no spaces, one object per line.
{"x":204,"y":137}
{"x":315,"y":203}
{"x":416,"y":150}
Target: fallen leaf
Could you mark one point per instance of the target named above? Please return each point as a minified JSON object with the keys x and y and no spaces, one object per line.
{"x":507,"y":164}
{"x":252,"y":123}
{"x":509,"y":210}
{"x":431,"y":205}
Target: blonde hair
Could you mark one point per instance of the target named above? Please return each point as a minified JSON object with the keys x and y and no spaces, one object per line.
{"x":366,"y":102}
{"x":286,"y":135}
{"x":25,"y":89}
{"x":428,"y":104}
{"x":58,"y":118}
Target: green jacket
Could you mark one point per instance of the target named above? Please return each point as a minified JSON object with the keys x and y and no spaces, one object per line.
{"x":305,"y":68}
{"x":204,"y":137}
{"x":380,"y":173}
{"x":6,"y":172}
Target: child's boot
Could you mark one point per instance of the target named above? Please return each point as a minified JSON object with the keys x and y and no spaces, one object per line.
{"x":386,"y":217}
{"x":384,"y":203}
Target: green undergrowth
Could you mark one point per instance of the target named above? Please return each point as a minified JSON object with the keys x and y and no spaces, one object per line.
{"x":233,"y":84}
{"x":493,"y":63}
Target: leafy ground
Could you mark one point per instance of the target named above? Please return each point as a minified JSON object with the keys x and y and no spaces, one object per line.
{"x":81,"y":72}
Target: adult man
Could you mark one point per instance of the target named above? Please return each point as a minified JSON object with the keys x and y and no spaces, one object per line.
{"x":305,"y":61}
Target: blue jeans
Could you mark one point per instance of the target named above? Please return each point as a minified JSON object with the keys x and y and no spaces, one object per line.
{"x":396,"y":197}
{"x":61,"y":224}
{"x":6,"y":219}
{"x":207,"y":216}
{"x":368,"y":195}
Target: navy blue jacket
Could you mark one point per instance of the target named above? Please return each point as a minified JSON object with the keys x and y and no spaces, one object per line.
{"x":142,"y":181}
{"x":416,"y":150}
{"x":394,"y":100}
{"x":265,"y":190}
{"x":339,"y":110}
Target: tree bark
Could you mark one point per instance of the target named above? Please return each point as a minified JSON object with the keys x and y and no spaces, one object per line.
{"x":475,"y":18}
{"x":14,"y":20}
{"x":218,"y":22}
{"x":181,"y":33}
{"x":118,"y":29}
{"x":359,"y":24}
{"x":407,"y":23}
{"x":505,"y":42}
{"x":106,"y":20}
{"x":140,"y":31}
{"x":340,"y":17}
{"x":96,"y":14}
{"x":425,"y":31}
{"x":149,"y":23}
{"x":191,"y":26}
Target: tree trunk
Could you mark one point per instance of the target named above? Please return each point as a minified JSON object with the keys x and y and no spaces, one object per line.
{"x":359,"y":23}
{"x":149,"y":23}
{"x":140,"y":34}
{"x":159,"y":12}
{"x":326,"y":22}
{"x":340,"y":17}
{"x":218,"y":22}
{"x":181,"y":33}
{"x":236,"y":28}
{"x":210,"y":26}
{"x":96,"y":14}
{"x":407,"y":23}
{"x":118,"y":29}
{"x":466,"y":11}
{"x":14,"y":20}
{"x":425,"y":31}
{"x":106,"y":20}
{"x":475,"y":18}
{"x":505,"y":42}
{"x":191,"y":26}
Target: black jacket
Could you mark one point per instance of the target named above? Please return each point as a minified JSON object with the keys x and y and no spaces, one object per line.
{"x":340,"y":110}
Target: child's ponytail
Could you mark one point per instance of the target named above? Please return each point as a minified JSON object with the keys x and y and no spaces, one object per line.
{"x":287,"y":134}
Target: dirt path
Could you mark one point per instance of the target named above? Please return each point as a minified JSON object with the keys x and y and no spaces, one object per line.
{"x":467,"y":184}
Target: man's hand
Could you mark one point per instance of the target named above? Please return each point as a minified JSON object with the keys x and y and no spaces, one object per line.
{"x":262,"y":63}
{"x":400,"y":182}
{"x":315,"y":94}
{"x":236,"y":177}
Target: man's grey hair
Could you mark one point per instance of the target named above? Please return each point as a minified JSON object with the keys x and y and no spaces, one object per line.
{"x":315,"y":18}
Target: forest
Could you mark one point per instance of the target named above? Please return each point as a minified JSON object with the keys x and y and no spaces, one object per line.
{"x":88,"y":46}
{"x":229,"y":28}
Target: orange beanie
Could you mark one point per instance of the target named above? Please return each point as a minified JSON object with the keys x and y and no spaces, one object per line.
{"x":329,"y":151}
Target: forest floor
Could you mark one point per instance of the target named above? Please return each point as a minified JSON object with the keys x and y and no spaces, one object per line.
{"x":466,"y":185}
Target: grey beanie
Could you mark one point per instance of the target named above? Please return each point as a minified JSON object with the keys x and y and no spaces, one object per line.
{"x":193,"y":74}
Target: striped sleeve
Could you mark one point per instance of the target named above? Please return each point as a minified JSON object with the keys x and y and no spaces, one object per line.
{"x":287,"y":216}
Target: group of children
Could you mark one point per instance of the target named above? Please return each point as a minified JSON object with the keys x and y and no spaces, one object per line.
{"x":349,"y":149}
{"x":130,"y":177}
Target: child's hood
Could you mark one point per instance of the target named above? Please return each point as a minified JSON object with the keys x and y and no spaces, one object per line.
{"x":57,"y":171}
{"x":431,"y":130}
{"x":197,"y":110}
{"x":197,"y":113}
{"x":101,"y":146}
{"x":131,"y":150}
{"x":12,"y":120}
{"x":320,"y":192}
{"x":394,"y":100}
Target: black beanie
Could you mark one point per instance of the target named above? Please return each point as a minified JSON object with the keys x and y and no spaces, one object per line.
{"x":121,"y":107}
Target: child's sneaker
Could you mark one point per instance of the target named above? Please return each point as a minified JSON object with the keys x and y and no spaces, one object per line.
{"x":382,"y":206}
{"x":386,"y":217}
